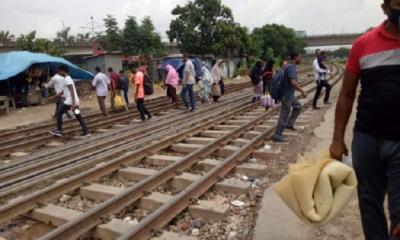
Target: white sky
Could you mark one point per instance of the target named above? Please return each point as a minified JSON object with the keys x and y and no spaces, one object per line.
{"x":315,"y":17}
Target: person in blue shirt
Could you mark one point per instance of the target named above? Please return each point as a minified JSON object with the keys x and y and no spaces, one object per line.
{"x":291,"y":107}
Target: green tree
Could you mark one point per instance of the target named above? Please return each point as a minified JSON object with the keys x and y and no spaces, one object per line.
{"x":276,"y":41}
{"x":5,"y":36}
{"x":149,"y":40}
{"x":83,"y":36}
{"x":141,"y":39}
{"x":26,"y":42}
{"x":29,"y":42}
{"x":199,"y":25}
{"x":112,"y":39}
{"x":130,"y":36}
{"x":65,"y":36}
{"x":340,"y":53}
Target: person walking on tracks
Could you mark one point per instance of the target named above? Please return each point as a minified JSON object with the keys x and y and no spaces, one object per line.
{"x":217,"y":73}
{"x":57,"y":82}
{"x":139,"y":75}
{"x":205,"y":83}
{"x":114,"y":86}
{"x":171,"y":83}
{"x":189,"y":75}
{"x":374,"y":62}
{"x":257,"y":81}
{"x":100,"y":83}
{"x":124,"y":86}
{"x":320,"y":71}
{"x":291,"y":107}
{"x":71,"y":102}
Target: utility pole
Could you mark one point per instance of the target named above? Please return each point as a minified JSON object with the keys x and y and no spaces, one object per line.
{"x":91,"y":18}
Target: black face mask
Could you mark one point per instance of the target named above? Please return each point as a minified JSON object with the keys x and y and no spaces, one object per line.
{"x":394,"y":16}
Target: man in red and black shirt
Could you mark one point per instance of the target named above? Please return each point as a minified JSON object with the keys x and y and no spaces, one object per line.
{"x":114,"y":86}
{"x":374,"y":61}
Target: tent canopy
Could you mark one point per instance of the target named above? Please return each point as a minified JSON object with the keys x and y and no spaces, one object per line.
{"x":179,"y":65}
{"x":13,"y":63}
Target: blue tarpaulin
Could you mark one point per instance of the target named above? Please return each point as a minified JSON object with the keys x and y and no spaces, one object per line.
{"x":13,"y":63}
{"x":178,"y":64}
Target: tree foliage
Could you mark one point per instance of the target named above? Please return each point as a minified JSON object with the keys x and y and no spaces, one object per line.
{"x":340,"y":52}
{"x":29,"y":42}
{"x":112,"y":40}
{"x":208,"y":27}
{"x":201,"y":25}
{"x":276,"y":41}
{"x":134,"y":38}
{"x":64,"y":35}
{"x":5,"y":36}
{"x":83,"y":36}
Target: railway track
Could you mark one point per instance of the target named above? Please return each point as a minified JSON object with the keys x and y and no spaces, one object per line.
{"x":31,"y":171}
{"x":226,"y":139}
{"x":34,"y":139}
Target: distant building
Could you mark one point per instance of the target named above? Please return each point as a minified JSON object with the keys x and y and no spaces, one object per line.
{"x":104,"y":61}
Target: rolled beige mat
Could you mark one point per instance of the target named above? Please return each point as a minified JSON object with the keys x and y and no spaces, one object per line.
{"x":317,"y":188}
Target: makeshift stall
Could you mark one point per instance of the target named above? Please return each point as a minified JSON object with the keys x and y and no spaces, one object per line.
{"x":22,"y":74}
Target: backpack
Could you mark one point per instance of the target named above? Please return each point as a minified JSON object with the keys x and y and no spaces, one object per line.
{"x":276,"y":85}
{"x":148,"y":85}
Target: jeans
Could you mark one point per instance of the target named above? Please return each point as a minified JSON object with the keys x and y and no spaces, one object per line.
{"x":288,"y":117}
{"x":142,"y":109}
{"x":377,"y":165}
{"x":64,"y":109}
{"x":126,"y":97}
{"x":188,"y":90}
{"x":322,"y":84}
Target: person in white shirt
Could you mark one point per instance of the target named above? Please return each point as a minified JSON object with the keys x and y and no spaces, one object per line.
{"x":320,"y":78}
{"x":57,"y":82}
{"x":189,"y":75}
{"x":101,"y":82}
{"x":71,"y":102}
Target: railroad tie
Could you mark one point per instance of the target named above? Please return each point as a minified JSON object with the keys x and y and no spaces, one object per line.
{"x":209,"y":210}
{"x":154,"y":201}
{"x":136,"y":174}
{"x":54,"y":215}
{"x":185,"y":148}
{"x":265,"y":155}
{"x":162,"y":160}
{"x":99,"y":192}
{"x":251,"y":135}
{"x":200,"y":140}
{"x":233,"y":185}
{"x":227,"y":151}
{"x":213,"y":133}
{"x":240,"y":142}
{"x":17,"y":155}
{"x":226,"y":127}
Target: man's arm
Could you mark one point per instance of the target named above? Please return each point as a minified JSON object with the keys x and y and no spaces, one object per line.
{"x":297,"y":87}
{"x":50,"y":84}
{"x":71,"y":89}
{"x":94,"y":83}
{"x":343,"y":111}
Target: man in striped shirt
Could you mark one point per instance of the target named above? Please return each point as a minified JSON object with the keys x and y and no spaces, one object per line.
{"x":374,"y":62}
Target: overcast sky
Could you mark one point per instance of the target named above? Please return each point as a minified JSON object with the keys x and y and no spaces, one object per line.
{"x":315,"y":17}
